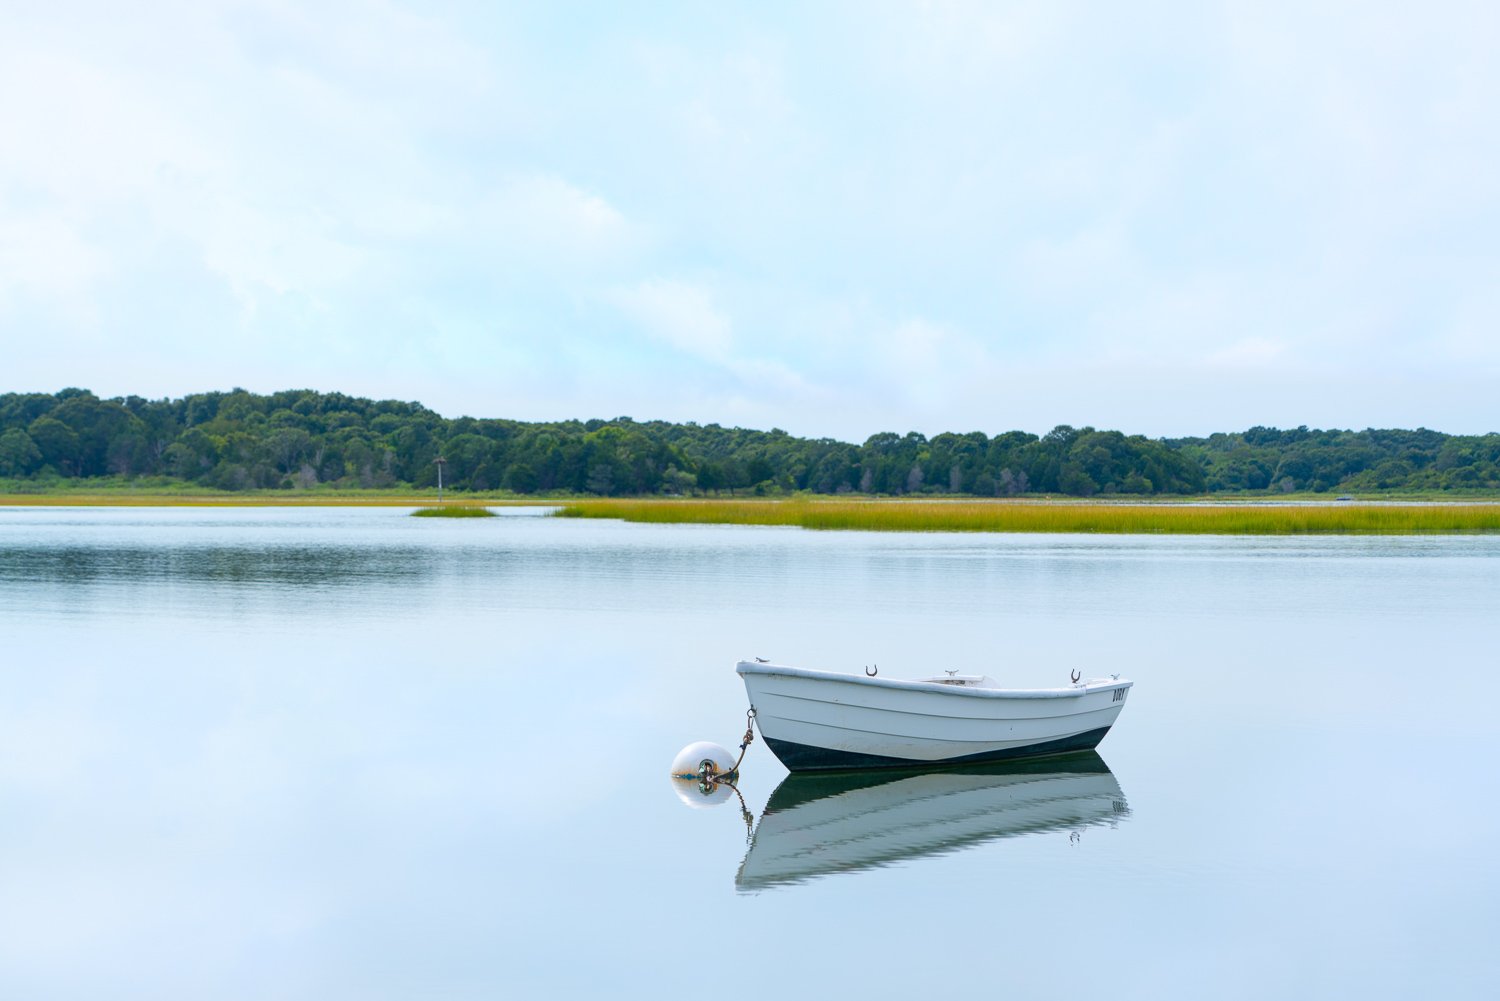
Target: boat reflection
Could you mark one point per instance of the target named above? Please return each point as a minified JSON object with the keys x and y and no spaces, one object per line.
{"x":818,"y":824}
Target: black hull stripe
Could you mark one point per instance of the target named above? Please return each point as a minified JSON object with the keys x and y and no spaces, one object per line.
{"x":806,"y":758}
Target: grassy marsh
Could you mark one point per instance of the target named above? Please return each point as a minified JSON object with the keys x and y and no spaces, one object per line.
{"x":1042,"y":516}
{"x":453,"y":511}
{"x":259,"y":498}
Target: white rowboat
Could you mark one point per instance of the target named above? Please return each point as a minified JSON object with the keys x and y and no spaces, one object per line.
{"x":814,"y":720}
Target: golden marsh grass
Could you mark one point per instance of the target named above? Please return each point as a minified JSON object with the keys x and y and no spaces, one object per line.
{"x":1043,"y":516}
{"x":453,"y":511}
{"x":268,"y":498}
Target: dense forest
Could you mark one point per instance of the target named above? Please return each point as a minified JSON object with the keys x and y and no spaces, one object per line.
{"x":300,"y":439}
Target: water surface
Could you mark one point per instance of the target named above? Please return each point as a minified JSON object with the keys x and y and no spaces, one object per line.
{"x":327,"y":753}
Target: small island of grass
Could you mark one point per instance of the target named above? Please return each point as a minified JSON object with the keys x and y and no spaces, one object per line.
{"x":453,"y":511}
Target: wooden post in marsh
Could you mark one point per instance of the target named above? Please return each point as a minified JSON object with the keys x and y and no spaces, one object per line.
{"x":439,"y":461}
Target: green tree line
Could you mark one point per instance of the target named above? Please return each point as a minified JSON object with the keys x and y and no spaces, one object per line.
{"x":299,"y":439}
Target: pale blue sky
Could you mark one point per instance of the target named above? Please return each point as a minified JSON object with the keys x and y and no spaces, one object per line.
{"x":835,"y":218}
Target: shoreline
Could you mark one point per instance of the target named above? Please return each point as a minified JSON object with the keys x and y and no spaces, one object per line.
{"x":1116,"y":516}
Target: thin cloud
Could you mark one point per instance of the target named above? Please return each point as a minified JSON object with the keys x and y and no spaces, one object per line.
{"x":680,"y":314}
{"x":1251,"y":352}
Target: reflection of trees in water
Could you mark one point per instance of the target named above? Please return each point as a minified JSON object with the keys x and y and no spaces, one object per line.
{"x":615,"y":574}
{"x":321,"y":566}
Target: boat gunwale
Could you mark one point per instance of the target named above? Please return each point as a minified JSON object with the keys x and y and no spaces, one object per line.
{"x":1092,"y":686}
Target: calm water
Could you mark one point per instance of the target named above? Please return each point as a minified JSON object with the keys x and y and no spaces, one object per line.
{"x":350,"y":754}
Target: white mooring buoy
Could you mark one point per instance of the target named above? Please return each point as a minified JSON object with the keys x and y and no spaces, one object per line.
{"x":702,"y":759}
{"x":703,"y":773}
{"x":694,"y":770}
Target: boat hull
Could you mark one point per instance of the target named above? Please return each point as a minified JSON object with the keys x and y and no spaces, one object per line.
{"x":816,"y":720}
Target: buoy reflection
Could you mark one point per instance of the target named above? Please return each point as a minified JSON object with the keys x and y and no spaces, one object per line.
{"x":701,"y":793}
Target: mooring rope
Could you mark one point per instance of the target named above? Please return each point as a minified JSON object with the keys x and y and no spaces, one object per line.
{"x":747,"y":741}
{"x":705,"y":768}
